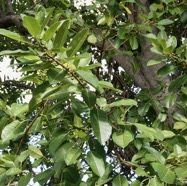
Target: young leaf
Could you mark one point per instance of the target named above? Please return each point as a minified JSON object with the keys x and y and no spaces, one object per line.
{"x":101,"y":127}
{"x":122,"y":139}
{"x":77,"y":42}
{"x":96,"y":163}
{"x":123,"y":102}
{"x":32,"y":25}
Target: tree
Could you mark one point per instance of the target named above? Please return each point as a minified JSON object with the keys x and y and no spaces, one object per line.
{"x":109,"y":94}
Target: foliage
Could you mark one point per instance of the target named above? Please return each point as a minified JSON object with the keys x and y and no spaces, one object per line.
{"x":89,"y":122}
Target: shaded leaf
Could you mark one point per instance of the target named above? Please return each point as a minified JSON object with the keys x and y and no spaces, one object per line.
{"x":120,"y":181}
{"x":24,"y":180}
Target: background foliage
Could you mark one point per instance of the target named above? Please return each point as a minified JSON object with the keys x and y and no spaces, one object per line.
{"x":109,"y":94}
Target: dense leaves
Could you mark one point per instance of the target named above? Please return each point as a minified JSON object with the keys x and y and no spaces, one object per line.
{"x":108,"y":92}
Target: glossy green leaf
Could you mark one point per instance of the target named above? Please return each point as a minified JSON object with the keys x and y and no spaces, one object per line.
{"x":100,"y":124}
{"x":28,"y":23}
{"x":24,"y":180}
{"x":133,"y":42}
{"x":61,"y":35}
{"x":50,"y":31}
{"x":14,"y":36}
{"x":154,"y":62}
{"x":56,"y":142}
{"x":167,"y":69}
{"x":165,"y":22}
{"x":120,"y":181}
{"x":35,"y":152}
{"x":143,"y":109}
{"x":12,"y":130}
{"x":89,"y":98}
{"x":14,"y":52}
{"x":122,"y":139}
{"x":96,"y":163}
{"x":108,"y":85}
{"x":177,"y":83}
{"x":77,"y":42}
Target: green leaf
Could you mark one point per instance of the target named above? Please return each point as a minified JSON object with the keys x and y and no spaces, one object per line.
{"x":108,"y":85}
{"x":14,"y":52}
{"x":167,"y":69}
{"x":56,"y":75}
{"x":35,"y":152}
{"x":156,"y":154}
{"x":50,"y":31}
{"x":177,"y":83}
{"x":14,"y":36}
{"x":181,"y":172}
{"x":24,"y":180}
{"x":120,"y":181}
{"x":165,"y":174}
{"x":61,"y":35}
{"x":43,"y":177}
{"x":50,"y":11}
{"x":180,"y":125}
{"x":71,"y":175}
{"x":143,"y":109}
{"x":77,"y":42}
{"x":101,"y":127}
{"x":167,"y":134}
{"x":56,"y":142}
{"x":133,"y":42}
{"x":72,"y":154}
{"x":165,"y":22}
{"x":154,"y":61}
{"x":92,"y":39}
{"x":123,"y":102}
{"x":170,"y":100}
{"x":89,"y":98}
{"x":122,"y":139}
{"x":32,"y":25}
{"x":89,"y":77}
{"x":13,"y":171}
{"x":12,"y":130}
{"x":96,"y":163}
{"x":16,"y":110}
{"x":155,"y":182}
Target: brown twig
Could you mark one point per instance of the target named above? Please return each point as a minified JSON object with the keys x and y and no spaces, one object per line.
{"x":66,"y":68}
{"x":29,"y":127}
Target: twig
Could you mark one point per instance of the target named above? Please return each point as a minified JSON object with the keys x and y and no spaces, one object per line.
{"x":66,"y":68}
{"x":29,"y":127}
